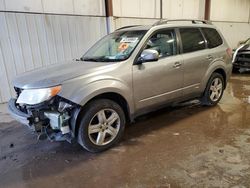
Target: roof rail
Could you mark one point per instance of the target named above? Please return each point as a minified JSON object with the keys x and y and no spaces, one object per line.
{"x":161,"y":22}
{"x":129,"y":26}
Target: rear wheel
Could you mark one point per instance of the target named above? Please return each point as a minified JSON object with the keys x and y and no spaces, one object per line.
{"x":102,"y":125}
{"x":214,"y":90}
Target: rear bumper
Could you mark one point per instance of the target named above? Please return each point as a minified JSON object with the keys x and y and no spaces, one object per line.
{"x":18,"y":114}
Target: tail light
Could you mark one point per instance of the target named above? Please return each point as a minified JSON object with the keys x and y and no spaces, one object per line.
{"x":229,"y":52}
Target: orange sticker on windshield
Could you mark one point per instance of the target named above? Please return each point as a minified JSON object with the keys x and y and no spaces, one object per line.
{"x":123,"y":46}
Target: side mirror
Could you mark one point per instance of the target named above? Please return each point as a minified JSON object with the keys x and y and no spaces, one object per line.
{"x":148,"y":55}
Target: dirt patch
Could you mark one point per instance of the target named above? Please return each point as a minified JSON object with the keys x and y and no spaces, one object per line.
{"x":222,"y":166}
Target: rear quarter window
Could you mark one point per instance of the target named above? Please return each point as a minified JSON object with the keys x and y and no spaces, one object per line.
{"x":212,"y":36}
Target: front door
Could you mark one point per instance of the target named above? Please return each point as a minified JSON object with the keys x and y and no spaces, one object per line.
{"x":159,"y":81}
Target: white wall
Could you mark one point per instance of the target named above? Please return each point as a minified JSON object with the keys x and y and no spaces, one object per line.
{"x":136,"y":8}
{"x":172,"y":9}
{"x":30,"y":41}
{"x":230,"y":10}
{"x":183,"y":9}
{"x":77,"y":7}
{"x":232,"y":18}
{"x":133,"y":12}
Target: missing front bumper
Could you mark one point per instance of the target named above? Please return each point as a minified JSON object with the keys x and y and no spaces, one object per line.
{"x":18,"y":114}
{"x":44,"y":124}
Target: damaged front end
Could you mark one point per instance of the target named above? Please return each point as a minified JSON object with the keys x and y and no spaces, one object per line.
{"x":52,"y":119}
{"x":241,"y":57}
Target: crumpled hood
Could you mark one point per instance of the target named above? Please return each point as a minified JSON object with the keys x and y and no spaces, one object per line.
{"x":56,"y":74}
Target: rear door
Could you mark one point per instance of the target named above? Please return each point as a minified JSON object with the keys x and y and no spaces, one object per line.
{"x":195,"y":59}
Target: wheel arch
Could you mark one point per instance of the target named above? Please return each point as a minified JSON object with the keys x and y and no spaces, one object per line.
{"x":206,"y":96}
{"x":223,"y":73}
{"x":218,"y":68}
{"x":116,"y":97}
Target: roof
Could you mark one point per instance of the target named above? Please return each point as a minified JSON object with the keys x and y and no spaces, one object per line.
{"x":170,"y":23}
{"x":193,"y":21}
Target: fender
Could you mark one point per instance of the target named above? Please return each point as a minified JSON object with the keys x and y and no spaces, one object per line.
{"x":92,"y":89}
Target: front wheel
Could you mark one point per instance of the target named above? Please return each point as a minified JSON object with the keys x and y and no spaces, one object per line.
{"x":214,"y":90}
{"x":102,"y":125}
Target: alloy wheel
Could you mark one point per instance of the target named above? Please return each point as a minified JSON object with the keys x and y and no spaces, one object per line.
{"x":104,"y":127}
{"x":215,"y":90}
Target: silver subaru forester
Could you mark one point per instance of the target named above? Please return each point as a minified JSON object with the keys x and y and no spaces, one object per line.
{"x":132,"y":71}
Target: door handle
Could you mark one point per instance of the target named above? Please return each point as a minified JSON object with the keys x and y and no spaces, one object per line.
{"x":177,"y":65}
{"x":209,"y":57}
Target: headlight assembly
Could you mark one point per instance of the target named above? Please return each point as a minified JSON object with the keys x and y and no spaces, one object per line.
{"x":36,"y":96}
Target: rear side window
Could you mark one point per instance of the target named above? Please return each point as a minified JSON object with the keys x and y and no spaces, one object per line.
{"x":212,"y":36}
{"x":192,"y":40}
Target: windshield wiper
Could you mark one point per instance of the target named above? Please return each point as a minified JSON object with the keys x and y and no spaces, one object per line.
{"x":102,"y":59}
{"x":95,"y":59}
{"x":99,"y":59}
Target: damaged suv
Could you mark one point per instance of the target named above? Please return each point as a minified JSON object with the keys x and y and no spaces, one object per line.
{"x":241,"y":56}
{"x":129,"y":72}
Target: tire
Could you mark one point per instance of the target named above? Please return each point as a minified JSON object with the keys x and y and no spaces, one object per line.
{"x":96,"y":131}
{"x":210,"y":96}
{"x":236,"y":70}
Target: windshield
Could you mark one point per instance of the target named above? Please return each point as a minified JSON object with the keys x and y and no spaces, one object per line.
{"x":116,"y":46}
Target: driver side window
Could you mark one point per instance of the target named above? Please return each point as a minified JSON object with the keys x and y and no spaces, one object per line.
{"x":163,"y":41}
